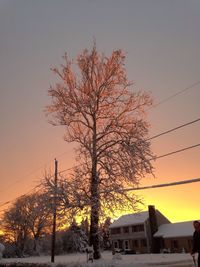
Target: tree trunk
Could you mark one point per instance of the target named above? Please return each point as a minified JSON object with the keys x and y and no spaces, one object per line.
{"x":94,"y":225}
{"x":35,"y":247}
{"x":95,"y":202}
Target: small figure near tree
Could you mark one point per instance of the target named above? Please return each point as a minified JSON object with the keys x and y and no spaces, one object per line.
{"x":90,"y":254}
{"x":106,"y":118}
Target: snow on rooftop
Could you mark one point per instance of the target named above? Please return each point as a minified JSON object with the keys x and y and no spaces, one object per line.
{"x":175,"y":230}
{"x":130,"y":219}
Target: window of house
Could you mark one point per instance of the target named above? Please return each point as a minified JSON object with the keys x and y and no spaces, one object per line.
{"x":143,"y":242}
{"x":134,"y":228}
{"x":126,"y":229}
{"x":138,"y":228}
{"x":190,"y":243}
{"x":174,"y":243}
{"x":116,"y":245}
{"x":115,"y":231}
{"x":135,"y":243}
{"x":126,"y":246}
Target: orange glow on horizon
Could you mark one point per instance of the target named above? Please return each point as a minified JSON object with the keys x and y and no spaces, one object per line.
{"x":162,"y":58}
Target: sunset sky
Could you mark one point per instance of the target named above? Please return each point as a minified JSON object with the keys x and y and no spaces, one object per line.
{"x":162,"y":43}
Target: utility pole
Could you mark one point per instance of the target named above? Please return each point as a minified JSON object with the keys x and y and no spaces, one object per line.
{"x":54,"y":212}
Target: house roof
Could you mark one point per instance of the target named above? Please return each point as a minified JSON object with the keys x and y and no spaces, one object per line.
{"x":180,"y":229}
{"x":130,"y":219}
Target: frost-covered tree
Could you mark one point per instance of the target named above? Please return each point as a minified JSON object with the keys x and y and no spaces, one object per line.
{"x":39,"y":217}
{"x":16,"y":225}
{"x":67,"y":199}
{"x":29,"y":217}
{"x":74,"y":239}
{"x":85,"y":226}
{"x":102,"y":113}
{"x":105,"y":234}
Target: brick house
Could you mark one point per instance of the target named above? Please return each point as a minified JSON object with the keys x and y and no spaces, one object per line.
{"x":135,"y":231}
{"x":151,"y":232}
{"x":175,"y":237}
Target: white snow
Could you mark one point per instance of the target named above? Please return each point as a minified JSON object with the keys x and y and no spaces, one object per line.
{"x":131,"y":219}
{"x":181,"y":229}
{"x":107,"y":260}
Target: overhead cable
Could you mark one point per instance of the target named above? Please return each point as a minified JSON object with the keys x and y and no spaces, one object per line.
{"x":178,"y":93}
{"x":173,"y":129}
{"x":174,"y":152}
{"x":155,"y":186}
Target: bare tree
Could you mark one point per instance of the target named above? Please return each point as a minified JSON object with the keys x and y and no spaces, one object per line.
{"x":39,"y":217}
{"x":106,"y":119}
{"x":28,"y":218}
{"x":68,"y":200}
{"x":15,"y":225}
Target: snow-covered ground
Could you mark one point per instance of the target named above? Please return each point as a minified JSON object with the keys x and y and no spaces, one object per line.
{"x":139,"y":260}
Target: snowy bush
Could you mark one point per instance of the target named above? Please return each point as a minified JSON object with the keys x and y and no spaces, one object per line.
{"x":73,"y":241}
{"x":9,"y":251}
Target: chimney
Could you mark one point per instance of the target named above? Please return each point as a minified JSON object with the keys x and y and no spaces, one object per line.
{"x":153,"y":229}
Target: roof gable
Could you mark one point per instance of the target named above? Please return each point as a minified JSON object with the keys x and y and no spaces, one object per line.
{"x":130,"y":219}
{"x":181,"y":229}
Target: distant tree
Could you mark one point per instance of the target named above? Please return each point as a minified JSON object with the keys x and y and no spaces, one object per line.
{"x":67,"y":201}
{"x":16,"y":225}
{"x":105,"y":117}
{"x":85,"y":226}
{"x":74,"y":238}
{"x":105,"y":233}
{"x":40,"y":217}
{"x":28,"y":218}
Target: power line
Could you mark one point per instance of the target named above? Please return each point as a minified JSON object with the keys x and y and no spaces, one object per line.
{"x":174,"y":152}
{"x":71,"y":168}
{"x":5,"y":203}
{"x":130,"y":189}
{"x":153,"y":158}
{"x":10,"y":201}
{"x":161,"y":102}
{"x":153,"y":137}
{"x":194,"y":180}
{"x":32,"y":172}
{"x":177,"y":93}
{"x":156,"y":186}
{"x":158,"y":135}
{"x":173,"y":129}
